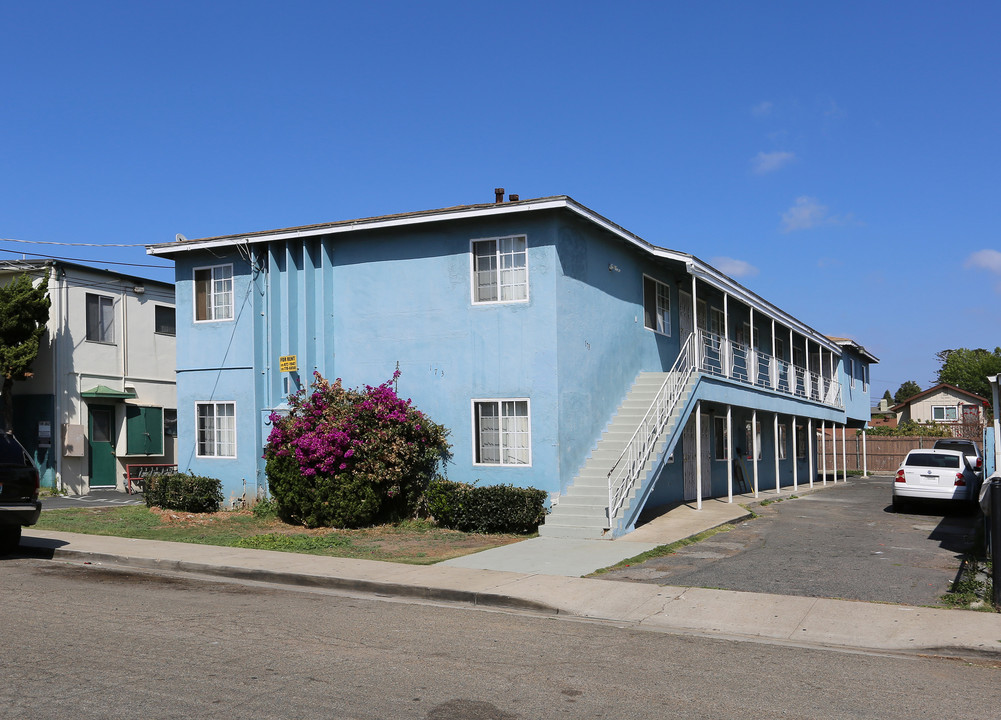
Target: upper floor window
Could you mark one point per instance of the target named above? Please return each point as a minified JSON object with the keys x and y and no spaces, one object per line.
{"x":100,"y":318}
{"x":500,"y":269}
{"x":656,"y":306}
{"x":717,"y":322}
{"x":214,"y":293}
{"x":164,"y":320}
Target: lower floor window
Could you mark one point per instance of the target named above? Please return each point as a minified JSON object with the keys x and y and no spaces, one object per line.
{"x":782,"y":442}
{"x":800,"y":442}
{"x":215,"y":425}
{"x":502,"y":435}
{"x":720,"y":437}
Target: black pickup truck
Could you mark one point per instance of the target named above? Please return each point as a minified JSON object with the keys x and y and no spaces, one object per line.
{"x":19,"y":503}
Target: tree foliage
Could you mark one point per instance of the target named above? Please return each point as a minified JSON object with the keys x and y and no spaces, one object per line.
{"x":906,"y":391}
{"x":888,"y":397}
{"x":968,"y":369}
{"x":348,"y":458}
{"x":24,"y":311}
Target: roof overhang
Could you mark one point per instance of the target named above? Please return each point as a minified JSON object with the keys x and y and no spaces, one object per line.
{"x":103,"y":392}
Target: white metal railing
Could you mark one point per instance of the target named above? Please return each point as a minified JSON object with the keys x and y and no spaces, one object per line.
{"x":735,"y":361}
{"x":627,"y":469}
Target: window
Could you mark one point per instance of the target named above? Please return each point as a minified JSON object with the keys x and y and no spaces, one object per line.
{"x":170,"y":422}
{"x":717,"y":322}
{"x":502,"y":435}
{"x":163,"y":320}
{"x":656,"y":306}
{"x":944,"y":413}
{"x":500,"y":270}
{"x":215,"y":427}
{"x":782,"y":442}
{"x":100,"y":318}
{"x":144,"y":430}
{"x":214,"y":293}
{"x":749,"y":447}
{"x":865,"y":378}
{"x":851,"y":371}
{"x":719,"y":437}
{"x":800,"y":442}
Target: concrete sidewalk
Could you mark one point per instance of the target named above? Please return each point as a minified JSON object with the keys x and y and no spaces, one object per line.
{"x":801,"y":621}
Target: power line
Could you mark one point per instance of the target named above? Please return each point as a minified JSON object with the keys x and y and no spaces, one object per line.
{"x":51,"y":242}
{"x":84,"y":260}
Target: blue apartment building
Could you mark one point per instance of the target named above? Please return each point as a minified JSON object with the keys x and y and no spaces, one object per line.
{"x":562,"y":352}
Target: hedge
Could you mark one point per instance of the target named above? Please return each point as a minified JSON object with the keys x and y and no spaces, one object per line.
{"x":485,"y":509}
{"x":184,"y":492}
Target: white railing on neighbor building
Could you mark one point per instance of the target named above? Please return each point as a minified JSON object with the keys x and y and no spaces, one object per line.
{"x":628,"y":468}
{"x":735,"y":361}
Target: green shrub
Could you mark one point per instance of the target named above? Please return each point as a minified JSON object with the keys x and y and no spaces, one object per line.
{"x":184,"y":492}
{"x":485,"y":509}
{"x":349,"y":458}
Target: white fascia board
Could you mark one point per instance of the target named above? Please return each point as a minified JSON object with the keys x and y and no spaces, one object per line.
{"x":336,"y":229}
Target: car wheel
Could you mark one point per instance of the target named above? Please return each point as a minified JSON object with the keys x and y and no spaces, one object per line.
{"x":898,"y":504}
{"x":10,"y":538}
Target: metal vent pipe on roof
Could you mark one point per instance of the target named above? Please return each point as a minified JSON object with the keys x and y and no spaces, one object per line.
{"x":512,"y":198}
{"x":498,"y":195}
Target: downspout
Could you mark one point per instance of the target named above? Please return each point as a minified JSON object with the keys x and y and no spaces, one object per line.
{"x":56,"y":438}
{"x":997,"y":421}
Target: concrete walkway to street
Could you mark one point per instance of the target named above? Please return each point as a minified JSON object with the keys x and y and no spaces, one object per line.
{"x":528,"y":578}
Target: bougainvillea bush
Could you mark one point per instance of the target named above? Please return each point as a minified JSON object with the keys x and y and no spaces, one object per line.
{"x":351,"y":457}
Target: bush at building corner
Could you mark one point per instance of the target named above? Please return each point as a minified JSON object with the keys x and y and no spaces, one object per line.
{"x":349,"y":458}
{"x":184,"y":492}
{"x":486,"y":509}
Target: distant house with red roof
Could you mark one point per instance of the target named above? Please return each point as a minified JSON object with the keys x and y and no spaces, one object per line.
{"x":944,"y":404}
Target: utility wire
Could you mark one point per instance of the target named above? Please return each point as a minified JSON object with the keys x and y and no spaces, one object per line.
{"x":83,"y":260}
{"x":51,"y":242}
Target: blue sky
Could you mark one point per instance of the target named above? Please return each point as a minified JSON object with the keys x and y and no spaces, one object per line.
{"x":841,"y":159}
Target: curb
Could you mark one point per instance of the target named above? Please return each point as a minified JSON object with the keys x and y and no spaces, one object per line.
{"x":274,"y":577}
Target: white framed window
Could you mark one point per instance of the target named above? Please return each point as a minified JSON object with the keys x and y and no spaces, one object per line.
{"x":720,"y":439}
{"x":100,"y":318}
{"x":717,"y":322}
{"x":852,"y":371}
{"x":502,"y":433}
{"x":214,"y":293}
{"x":944,"y":413}
{"x":215,"y":429}
{"x":782,"y":442}
{"x":865,"y":378}
{"x":500,"y":269}
{"x":656,"y":306}
{"x":800,"y":441}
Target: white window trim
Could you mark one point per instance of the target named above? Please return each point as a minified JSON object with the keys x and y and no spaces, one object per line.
{"x":472,"y":270}
{"x":194,"y":294}
{"x":944,"y":407}
{"x":216,"y":403}
{"x":667,"y":290}
{"x":719,"y":426}
{"x":783,"y":440}
{"x":114,"y":317}
{"x":476,"y":439}
{"x":851,"y":374}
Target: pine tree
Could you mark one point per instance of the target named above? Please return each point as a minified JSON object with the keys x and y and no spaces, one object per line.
{"x":24,"y":311}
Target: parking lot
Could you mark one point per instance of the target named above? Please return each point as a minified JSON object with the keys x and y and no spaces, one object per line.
{"x":843,"y":541}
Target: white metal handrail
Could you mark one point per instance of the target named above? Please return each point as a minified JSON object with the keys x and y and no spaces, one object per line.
{"x":634,"y":457}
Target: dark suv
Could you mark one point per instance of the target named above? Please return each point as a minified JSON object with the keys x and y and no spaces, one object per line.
{"x":19,"y":503}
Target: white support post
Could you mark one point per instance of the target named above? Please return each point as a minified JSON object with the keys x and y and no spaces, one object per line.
{"x":698,"y":454}
{"x":844,"y":453}
{"x":811,"y":446}
{"x":823,"y":451}
{"x":754,"y":448}
{"x":865,"y":457}
{"x":775,"y":436}
{"x":752,"y":354}
{"x":773,"y":365}
{"x":726,"y":350}
{"x":729,"y":454}
{"x":834,"y":449}
{"x":795,"y":456}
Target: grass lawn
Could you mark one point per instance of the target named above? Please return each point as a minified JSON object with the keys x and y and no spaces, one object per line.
{"x":416,"y":542}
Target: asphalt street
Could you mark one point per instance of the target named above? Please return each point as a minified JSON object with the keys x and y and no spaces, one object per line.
{"x":845,"y":542}
{"x":84,"y":641}
{"x":97,"y":498}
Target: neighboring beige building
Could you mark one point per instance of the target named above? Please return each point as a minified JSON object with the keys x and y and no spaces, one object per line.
{"x":946,"y":405}
{"x":102,"y":395}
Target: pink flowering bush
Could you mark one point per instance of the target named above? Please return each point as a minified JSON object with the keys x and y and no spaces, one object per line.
{"x":348,"y":458}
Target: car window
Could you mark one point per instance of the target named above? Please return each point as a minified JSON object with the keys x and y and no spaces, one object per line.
{"x":11,"y":452}
{"x":966,"y":447}
{"x":932,"y":460}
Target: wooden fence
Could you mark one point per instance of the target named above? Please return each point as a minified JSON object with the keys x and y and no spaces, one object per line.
{"x":884,"y":454}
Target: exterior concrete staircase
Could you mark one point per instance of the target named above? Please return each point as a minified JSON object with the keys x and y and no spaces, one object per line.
{"x":582,"y":512}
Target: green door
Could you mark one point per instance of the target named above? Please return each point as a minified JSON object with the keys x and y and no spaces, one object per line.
{"x":102,"y":446}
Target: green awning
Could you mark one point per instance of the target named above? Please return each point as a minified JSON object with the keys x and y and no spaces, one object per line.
{"x":103,"y":392}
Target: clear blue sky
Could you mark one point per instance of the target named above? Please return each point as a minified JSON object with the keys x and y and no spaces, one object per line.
{"x":840,"y":159}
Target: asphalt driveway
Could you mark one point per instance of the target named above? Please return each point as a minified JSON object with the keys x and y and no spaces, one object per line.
{"x":97,"y":498}
{"x":843,"y":542}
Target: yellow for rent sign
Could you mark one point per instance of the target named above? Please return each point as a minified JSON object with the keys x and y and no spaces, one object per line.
{"x":288,"y":363}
